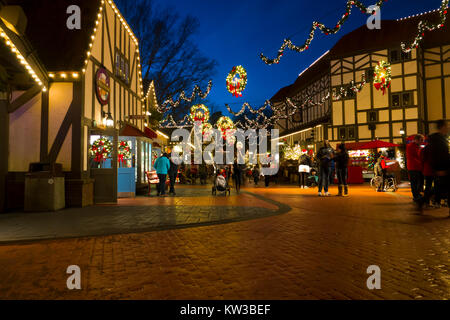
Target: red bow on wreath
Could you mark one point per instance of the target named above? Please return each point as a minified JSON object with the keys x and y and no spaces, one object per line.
{"x":235,"y":88}
{"x":98,"y":157}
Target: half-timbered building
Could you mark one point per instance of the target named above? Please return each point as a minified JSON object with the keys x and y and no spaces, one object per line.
{"x":66,"y":86}
{"x":417,"y":97}
{"x":306,"y":105}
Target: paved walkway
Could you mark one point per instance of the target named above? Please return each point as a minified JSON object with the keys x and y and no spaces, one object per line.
{"x":191,"y":207}
{"x":319,"y":250}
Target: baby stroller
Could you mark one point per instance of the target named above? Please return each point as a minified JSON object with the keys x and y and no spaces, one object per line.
{"x":221,"y":183}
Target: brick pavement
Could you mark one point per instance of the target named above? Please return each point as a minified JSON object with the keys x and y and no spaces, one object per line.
{"x":319,"y":250}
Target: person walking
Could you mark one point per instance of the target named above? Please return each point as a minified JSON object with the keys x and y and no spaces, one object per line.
{"x":162,"y":166}
{"x":237,"y":176}
{"x":304,"y":168}
{"x":324,"y":155}
{"x":255,"y":174}
{"x":380,"y":171}
{"x":427,"y":171}
{"x":414,"y":165}
{"x":173,"y":172}
{"x":341,"y":160}
{"x":332,"y":171}
{"x":440,"y":161}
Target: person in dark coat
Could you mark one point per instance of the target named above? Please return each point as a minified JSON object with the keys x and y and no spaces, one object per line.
{"x":305,"y":163}
{"x":440,"y":161}
{"x":173,"y":172}
{"x":341,"y":159}
{"x":324,"y":155}
{"x":427,"y":171}
{"x":237,"y":175}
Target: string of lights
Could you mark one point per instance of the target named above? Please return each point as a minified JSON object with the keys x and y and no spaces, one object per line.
{"x":287,"y":43}
{"x":245,"y":106}
{"x":197,"y":92}
{"x":425,"y":26}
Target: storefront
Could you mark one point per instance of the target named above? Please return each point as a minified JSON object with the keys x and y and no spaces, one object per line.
{"x":82,"y":86}
{"x":363,"y":156}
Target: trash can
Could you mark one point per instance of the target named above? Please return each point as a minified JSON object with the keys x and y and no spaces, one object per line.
{"x":44,"y":187}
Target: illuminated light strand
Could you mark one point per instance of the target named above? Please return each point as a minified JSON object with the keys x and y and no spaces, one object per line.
{"x":130,"y":33}
{"x":425,"y":26}
{"x":22,"y":60}
{"x":245,"y":106}
{"x":197,"y":92}
{"x":287,"y":43}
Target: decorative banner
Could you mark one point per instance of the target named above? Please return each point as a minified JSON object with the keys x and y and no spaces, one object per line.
{"x":235,"y":84}
{"x":196,"y":92}
{"x":424,"y":26}
{"x":101,"y":149}
{"x":124,"y":151}
{"x":382,"y":76}
{"x":199,"y":112}
{"x":102,"y":87}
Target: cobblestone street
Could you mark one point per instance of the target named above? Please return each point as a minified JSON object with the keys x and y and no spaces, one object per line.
{"x":319,"y":249}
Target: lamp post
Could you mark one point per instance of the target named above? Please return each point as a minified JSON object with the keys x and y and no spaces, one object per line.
{"x":403,"y":134}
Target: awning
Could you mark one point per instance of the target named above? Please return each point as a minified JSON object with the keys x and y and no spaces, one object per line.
{"x":149,"y":133}
{"x":130,"y":131}
{"x":156,"y":145}
{"x":370,"y":145}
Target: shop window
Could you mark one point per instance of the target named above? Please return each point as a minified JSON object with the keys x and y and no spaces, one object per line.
{"x":342,"y":133}
{"x":122,"y":68}
{"x":372,"y":116}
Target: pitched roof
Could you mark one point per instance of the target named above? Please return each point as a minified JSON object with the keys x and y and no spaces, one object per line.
{"x":391,"y":34}
{"x":281,"y":94}
{"x":59,"y":48}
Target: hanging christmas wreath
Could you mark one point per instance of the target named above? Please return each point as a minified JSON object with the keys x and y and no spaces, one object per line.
{"x":101,"y":149}
{"x":236,"y":81}
{"x":199,"y":112}
{"x":207,"y":131}
{"x":226,"y":125}
{"x":382,"y":76}
{"x":124,"y":151}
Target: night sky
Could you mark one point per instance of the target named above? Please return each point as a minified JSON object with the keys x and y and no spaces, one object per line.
{"x":235,"y":32}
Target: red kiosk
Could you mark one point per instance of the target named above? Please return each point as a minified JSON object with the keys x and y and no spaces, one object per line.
{"x":359,"y":158}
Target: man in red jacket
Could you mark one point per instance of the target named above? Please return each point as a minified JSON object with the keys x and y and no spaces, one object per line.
{"x":414,"y":163}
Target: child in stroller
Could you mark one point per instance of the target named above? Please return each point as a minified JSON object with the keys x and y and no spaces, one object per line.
{"x":313,"y":179}
{"x":221,"y":182}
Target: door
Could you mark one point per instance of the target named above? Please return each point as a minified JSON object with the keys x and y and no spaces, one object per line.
{"x":103,"y":165}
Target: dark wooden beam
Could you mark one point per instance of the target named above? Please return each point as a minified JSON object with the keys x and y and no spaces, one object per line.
{"x":24,"y":98}
{"x":62,"y":133}
{"x":4,"y":145}
{"x":77,"y":131}
{"x":44,"y":127}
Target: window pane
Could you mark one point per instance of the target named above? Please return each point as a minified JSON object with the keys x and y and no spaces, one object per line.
{"x":394,"y":55}
{"x":395,"y":100}
{"x":407,"y":99}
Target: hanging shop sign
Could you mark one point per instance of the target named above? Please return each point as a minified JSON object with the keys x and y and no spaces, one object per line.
{"x":102,"y":86}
